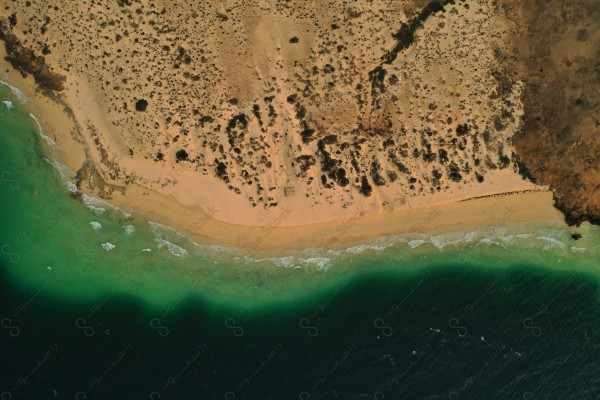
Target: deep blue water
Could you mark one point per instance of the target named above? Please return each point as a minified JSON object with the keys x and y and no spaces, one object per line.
{"x":458,"y":333}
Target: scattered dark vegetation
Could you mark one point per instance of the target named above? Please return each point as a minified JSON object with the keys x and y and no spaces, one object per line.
{"x":377,"y":77}
{"x":329,"y":165}
{"x":376,"y":174}
{"x":454,"y":172}
{"x":305,"y":162}
{"x":181,"y":155}
{"x":365,"y":187}
{"x":404,"y":39}
{"x":221,"y":170}
{"x":462,"y":129}
{"x":307,"y":134}
{"x":328,"y":152}
{"x":406,"y":35}
{"x":141,"y":105}
{"x":206,"y":120}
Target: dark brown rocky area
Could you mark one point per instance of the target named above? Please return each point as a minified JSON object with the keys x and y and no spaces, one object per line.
{"x":558,"y":47}
{"x":25,"y":59}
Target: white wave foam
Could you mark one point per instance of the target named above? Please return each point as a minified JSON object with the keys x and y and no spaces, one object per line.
{"x":286,"y":262}
{"x":552,"y":242}
{"x":357,"y":249}
{"x":446,"y":239}
{"x":472,"y":236}
{"x":16,"y":92}
{"x":524,"y":235}
{"x":489,"y":242}
{"x":99,"y":206}
{"x":578,"y":249}
{"x":173,"y":248}
{"x":361,"y":248}
{"x":72,"y":187}
{"x":213,"y":248}
{"x":48,"y":140}
{"x":8,"y":104}
{"x":509,"y":238}
{"x":416,"y":243}
{"x":491,"y":235}
{"x":322,"y":263}
{"x":96,"y":225}
{"x":108,"y":246}
{"x":63,"y":169}
{"x":159,"y":229}
{"x":129,"y":229}
{"x":91,"y":201}
{"x":96,"y":210}
{"x":450,"y":241}
{"x":147,"y":250}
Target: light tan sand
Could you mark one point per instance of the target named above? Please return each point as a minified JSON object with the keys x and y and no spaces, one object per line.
{"x":501,"y":210}
{"x":202,"y":206}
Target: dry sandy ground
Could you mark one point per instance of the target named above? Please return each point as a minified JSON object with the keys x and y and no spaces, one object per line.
{"x":284,"y":117}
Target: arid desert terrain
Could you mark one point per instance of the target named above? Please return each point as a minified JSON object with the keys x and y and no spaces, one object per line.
{"x":299,"y":112}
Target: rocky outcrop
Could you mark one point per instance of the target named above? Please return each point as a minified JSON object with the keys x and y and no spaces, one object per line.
{"x":559,"y":144}
{"x":27,"y":62}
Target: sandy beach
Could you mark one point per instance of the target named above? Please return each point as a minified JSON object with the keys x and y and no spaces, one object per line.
{"x":201,"y":206}
{"x":503,"y":208}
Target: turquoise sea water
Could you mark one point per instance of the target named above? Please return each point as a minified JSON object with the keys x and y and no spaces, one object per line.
{"x":97,"y":303}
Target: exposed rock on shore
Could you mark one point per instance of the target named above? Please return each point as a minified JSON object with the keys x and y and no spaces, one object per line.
{"x":558,"y":48}
{"x":26,"y":60}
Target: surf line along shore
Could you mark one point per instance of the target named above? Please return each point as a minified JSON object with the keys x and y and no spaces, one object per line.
{"x":64,"y":117}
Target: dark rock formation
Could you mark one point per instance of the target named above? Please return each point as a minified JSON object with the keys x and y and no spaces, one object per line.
{"x":27,"y":62}
{"x":558,"y":145}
